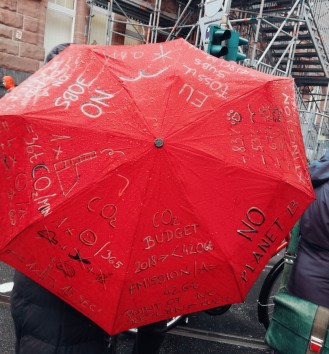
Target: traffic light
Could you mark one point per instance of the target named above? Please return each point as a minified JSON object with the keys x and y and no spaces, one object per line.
{"x":233,"y":44}
{"x":216,"y":35}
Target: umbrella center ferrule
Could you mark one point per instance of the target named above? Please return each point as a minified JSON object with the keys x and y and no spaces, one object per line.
{"x":158,"y":142}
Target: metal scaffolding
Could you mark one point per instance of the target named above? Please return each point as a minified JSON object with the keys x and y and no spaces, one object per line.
{"x":286,"y":38}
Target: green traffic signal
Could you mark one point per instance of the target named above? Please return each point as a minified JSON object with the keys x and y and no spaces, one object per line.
{"x":225,"y":43}
{"x":216,"y":36}
{"x":233,"y":45}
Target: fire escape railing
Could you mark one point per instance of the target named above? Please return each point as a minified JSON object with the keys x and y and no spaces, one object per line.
{"x":320,"y":10}
{"x":317,"y":23}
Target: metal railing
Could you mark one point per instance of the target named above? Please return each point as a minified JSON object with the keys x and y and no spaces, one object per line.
{"x":320,"y":11}
{"x":264,"y":68}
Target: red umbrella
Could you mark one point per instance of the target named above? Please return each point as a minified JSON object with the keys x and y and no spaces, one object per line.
{"x":139,"y":183}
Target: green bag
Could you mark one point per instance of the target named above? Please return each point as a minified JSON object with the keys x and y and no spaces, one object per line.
{"x":297,"y":326}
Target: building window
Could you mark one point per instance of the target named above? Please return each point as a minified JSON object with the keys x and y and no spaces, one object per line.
{"x":135,"y":33}
{"x":98,"y":26}
{"x":69,"y":4}
{"x":59,"y":23}
{"x":105,"y":27}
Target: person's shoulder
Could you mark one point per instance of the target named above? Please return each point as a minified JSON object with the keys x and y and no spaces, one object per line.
{"x":56,"y":50}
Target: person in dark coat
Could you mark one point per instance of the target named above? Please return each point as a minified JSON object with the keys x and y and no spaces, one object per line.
{"x":149,"y":338}
{"x":44,"y":324}
{"x":310,"y":275}
{"x":56,"y":50}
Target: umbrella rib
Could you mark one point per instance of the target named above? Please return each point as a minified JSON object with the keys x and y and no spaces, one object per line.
{"x":204,"y":154}
{"x":192,"y":207}
{"x":133,"y":103}
{"x":177,"y":66}
{"x":177,"y":62}
{"x":95,"y":128}
{"x":134,"y":240}
{"x":165,"y":112}
{"x":170,"y":135}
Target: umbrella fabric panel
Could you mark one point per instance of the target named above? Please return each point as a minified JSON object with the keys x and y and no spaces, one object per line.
{"x":143,"y":182}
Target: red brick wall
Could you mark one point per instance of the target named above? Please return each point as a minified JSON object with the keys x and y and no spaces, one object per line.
{"x":82,"y":11}
{"x":22,"y":25}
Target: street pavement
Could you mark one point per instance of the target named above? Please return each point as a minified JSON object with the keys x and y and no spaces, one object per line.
{"x":235,"y":332}
{"x":7,"y":334}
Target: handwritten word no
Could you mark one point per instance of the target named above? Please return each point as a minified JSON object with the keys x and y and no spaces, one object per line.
{"x":74,"y":92}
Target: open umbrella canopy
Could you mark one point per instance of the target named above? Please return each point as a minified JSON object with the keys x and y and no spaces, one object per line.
{"x":139,"y":183}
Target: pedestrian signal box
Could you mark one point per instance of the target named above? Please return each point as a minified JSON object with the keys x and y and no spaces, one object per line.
{"x":233,"y":44}
{"x":217,"y":37}
{"x":225,"y":43}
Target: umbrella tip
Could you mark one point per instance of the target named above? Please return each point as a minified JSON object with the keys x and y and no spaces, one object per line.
{"x":158,"y":142}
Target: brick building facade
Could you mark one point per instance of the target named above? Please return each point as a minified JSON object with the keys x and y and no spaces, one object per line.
{"x":23,"y":27}
{"x":22,"y":24}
